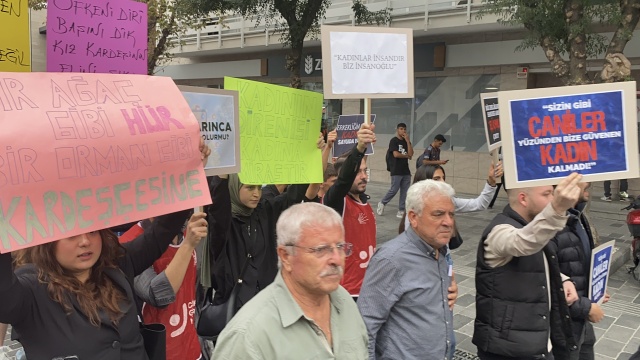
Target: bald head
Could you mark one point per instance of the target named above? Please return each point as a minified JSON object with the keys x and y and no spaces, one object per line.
{"x":529,"y":202}
{"x":513,"y":195}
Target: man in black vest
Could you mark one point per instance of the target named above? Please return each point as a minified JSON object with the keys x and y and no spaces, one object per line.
{"x":521,"y":297}
{"x":573,"y":245}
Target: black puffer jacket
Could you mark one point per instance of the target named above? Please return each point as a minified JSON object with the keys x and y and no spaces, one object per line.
{"x":574,"y":263}
{"x":230,"y":241}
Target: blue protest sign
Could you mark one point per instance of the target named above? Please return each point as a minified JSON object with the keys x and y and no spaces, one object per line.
{"x":600,"y":265}
{"x":558,"y":135}
{"x":347,"y":129}
{"x":550,"y":133}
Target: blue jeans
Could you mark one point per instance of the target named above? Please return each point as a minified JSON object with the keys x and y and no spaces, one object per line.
{"x":398,"y":182}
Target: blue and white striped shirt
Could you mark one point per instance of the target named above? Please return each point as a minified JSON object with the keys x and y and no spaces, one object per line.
{"x":403,"y":301}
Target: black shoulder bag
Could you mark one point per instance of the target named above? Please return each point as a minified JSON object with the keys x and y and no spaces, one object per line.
{"x":155,"y":340}
{"x":154,"y":335}
{"x":213,"y":318}
{"x":456,"y":240}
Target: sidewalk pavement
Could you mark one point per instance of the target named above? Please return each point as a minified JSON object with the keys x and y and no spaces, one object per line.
{"x":617,"y":334}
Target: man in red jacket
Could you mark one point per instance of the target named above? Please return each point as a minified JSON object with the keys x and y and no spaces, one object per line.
{"x":347,"y":197}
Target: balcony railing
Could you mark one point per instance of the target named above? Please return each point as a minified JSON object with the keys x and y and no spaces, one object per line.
{"x":237,"y":27}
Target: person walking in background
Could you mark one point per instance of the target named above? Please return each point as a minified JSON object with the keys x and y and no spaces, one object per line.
{"x":624,"y":185}
{"x":400,"y":151}
{"x":431,"y":155}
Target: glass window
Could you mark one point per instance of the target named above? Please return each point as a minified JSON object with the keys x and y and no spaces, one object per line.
{"x":390,"y":112}
{"x":442,"y":105}
{"x":331,"y":109}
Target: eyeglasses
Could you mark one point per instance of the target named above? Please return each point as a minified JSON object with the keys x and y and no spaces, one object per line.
{"x":326,"y":250}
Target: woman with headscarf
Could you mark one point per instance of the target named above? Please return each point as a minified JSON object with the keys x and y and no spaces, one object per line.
{"x":241,"y":224}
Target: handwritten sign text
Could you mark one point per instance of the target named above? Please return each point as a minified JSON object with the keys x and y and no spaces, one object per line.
{"x":97,"y":151}
{"x":93,"y":36}
{"x":15,"y":44}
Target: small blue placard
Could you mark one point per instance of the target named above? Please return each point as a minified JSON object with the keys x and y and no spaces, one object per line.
{"x":600,"y":265}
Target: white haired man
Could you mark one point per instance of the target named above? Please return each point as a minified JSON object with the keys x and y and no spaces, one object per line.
{"x":405,"y":300}
{"x":304,"y":313}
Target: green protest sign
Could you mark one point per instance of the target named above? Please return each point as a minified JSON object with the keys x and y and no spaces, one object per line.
{"x":279,"y":128}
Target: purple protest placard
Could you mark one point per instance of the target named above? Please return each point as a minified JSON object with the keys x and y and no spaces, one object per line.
{"x":347,"y":128}
{"x":93,"y":36}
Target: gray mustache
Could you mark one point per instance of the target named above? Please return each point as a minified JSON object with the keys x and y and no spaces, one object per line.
{"x":333,"y":270}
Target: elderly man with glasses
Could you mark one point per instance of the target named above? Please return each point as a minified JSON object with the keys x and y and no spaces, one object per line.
{"x":304,"y":313}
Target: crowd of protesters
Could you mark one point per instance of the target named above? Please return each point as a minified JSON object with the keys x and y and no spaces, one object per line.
{"x":307,"y":281}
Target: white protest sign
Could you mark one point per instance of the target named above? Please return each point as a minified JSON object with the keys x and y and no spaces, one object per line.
{"x":367,"y":62}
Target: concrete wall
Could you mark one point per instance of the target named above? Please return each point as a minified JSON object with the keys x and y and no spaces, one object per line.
{"x":38,"y":41}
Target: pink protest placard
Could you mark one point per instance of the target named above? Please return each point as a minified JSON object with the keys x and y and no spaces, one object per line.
{"x":82,"y":152}
{"x":94,"y":36}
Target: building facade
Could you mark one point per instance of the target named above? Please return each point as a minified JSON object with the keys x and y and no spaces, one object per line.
{"x":457,"y":56}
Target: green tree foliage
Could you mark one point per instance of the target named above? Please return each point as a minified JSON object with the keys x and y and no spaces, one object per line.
{"x":294,"y":20}
{"x":569,"y":33}
{"x":169,"y":19}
